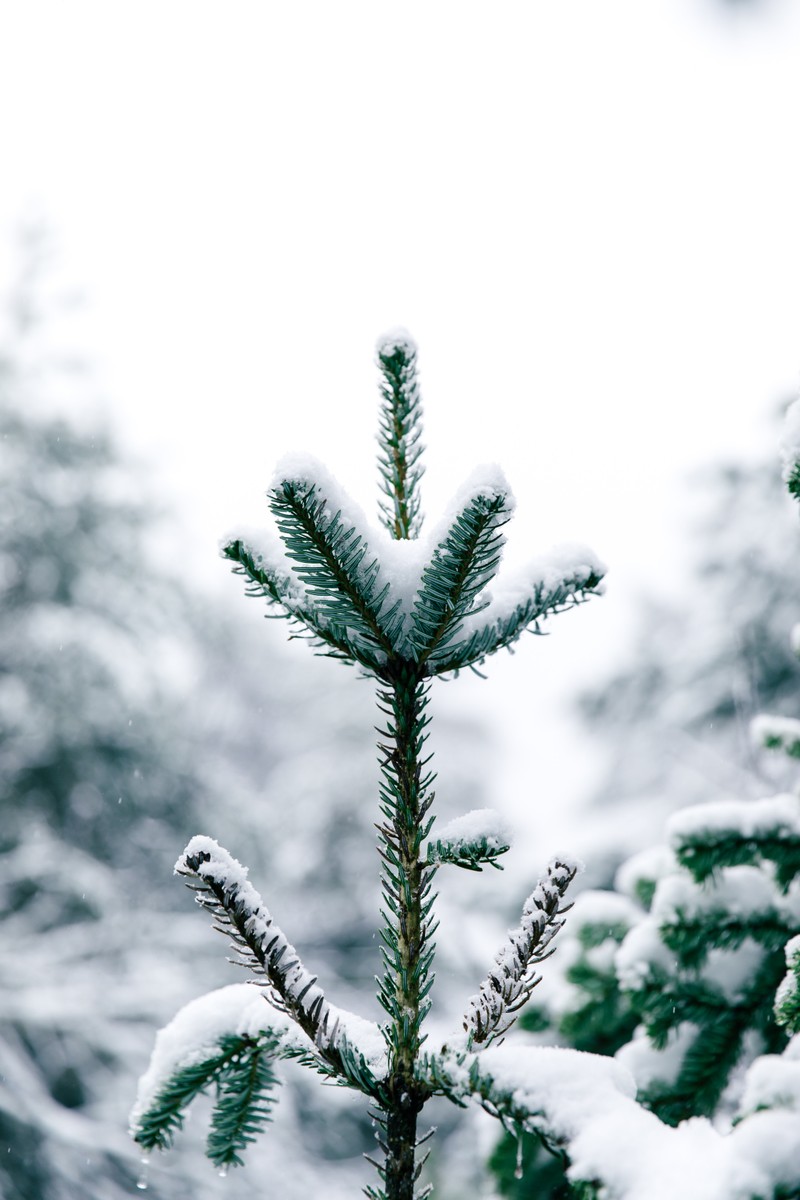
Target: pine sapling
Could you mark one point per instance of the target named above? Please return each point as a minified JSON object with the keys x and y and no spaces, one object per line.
{"x":405,"y":610}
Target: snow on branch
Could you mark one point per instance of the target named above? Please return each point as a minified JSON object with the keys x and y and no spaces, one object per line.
{"x":550,"y":584}
{"x":261,"y":946}
{"x":739,"y":904}
{"x":478,"y":837}
{"x":584,"y":1105}
{"x":776,"y":733}
{"x":463,"y":562}
{"x":366,"y":596}
{"x":399,"y":433}
{"x":790,"y":449}
{"x":324,"y":535}
{"x":787,"y":998}
{"x":209,"y":1044}
{"x":262,"y":561}
{"x":707,"y":837}
{"x":511,"y":980}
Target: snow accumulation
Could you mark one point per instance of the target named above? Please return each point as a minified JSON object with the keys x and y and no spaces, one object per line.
{"x":778,"y":816}
{"x":479,"y":825}
{"x":773,"y":732}
{"x":570,"y":564}
{"x":788,"y":993}
{"x":362,"y":1035}
{"x":269,"y":555}
{"x":645,"y":867}
{"x":587,"y":1102}
{"x":194,"y":1034}
{"x":649,"y":1065}
{"x":403,"y":561}
{"x":600,"y":908}
{"x":739,"y":891}
{"x":394,"y":339}
{"x":790,"y":439}
{"x":732,"y":971}
{"x":491,"y":1011}
{"x":773,"y":1081}
{"x":641,"y":954}
{"x":299,"y":988}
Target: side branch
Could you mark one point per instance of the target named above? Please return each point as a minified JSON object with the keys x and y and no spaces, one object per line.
{"x":261,"y":946}
{"x":503,"y":623}
{"x":509,"y":984}
{"x":463,"y":564}
{"x":284,"y":590}
{"x":335,"y":565}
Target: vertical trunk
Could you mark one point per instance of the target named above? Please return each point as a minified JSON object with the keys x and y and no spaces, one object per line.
{"x":405,"y":801}
{"x":401,"y":1140}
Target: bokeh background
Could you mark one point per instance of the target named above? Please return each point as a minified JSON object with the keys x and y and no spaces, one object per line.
{"x":586,"y":215}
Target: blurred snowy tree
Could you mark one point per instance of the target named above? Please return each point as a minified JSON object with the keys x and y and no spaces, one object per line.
{"x":675,"y":720}
{"x":95,"y":776}
{"x":679,"y":723}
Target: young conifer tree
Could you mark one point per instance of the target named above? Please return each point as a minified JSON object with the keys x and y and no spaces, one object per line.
{"x":404,"y":609}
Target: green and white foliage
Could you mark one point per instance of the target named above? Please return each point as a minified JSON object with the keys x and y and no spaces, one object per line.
{"x":692,"y":970}
{"x":790,"y":449}
{"x":684,"y":971}
{"x":405,"y":608}
{"x":471,"y":841}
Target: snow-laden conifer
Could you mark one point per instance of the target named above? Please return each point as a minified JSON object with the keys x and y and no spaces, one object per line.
{"x":405,"y":608}
{"x":689,"y":974}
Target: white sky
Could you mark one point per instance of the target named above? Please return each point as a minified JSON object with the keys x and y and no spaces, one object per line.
{"x":587,"y":213}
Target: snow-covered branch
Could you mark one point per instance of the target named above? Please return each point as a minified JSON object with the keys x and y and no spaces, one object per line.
{"x":584,"y":1105}
{"x":511,"y":980}
{"x":242,"y":915}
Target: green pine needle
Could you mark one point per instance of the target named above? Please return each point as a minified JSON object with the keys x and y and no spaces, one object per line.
{"x":497,"y":635}
{"x":707,"y":853}
{"x":469,"y":855}
{"x":399,"y":435}
{"x":463,"y":564}
{"x":335,"y":565}
{"x":158,"y":1125}
{"x":793,"y":481}
{"x":691,"y":938}
{"x":245,"y":1098}
{"x":328,"y":634}
{"x":787,"y":998}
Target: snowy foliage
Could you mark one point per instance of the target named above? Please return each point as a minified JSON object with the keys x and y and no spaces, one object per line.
{"x":688,"y":975}
{"x":513,"y":976}
{"x":790,"y":449}
{"x":405,"y":609}
{"x":692,"y":971}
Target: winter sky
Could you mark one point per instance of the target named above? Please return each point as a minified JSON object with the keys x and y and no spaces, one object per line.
{"x":585,"y":212}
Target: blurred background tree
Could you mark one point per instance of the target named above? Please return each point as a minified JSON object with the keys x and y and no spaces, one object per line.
{"x":674,"y":724}
{"x":674,"y":721}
